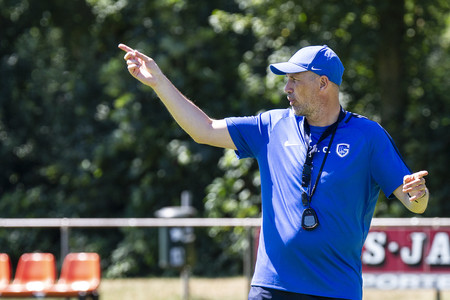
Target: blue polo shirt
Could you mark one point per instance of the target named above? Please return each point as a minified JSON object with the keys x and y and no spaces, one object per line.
{"x":362,"y":161}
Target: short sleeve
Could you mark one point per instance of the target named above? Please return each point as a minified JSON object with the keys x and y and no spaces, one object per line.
{"x":387,"y":165}
{"x":246,"y":134}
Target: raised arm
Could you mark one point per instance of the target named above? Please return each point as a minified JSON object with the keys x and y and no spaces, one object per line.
{"x":413,"y":193}
{"x":191,"y":118}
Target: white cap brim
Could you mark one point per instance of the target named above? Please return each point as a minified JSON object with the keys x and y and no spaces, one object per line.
{"x":286,"y":68}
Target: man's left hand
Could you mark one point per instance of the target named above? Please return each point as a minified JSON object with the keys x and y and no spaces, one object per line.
{"x":414,"y":185}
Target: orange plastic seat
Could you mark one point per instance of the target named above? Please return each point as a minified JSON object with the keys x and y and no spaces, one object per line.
{"x":5,"y":271}
{"x":35,"y":274}
{"x":80,"y":276}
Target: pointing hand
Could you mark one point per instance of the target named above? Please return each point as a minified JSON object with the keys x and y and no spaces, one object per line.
{"x":141,"y":67}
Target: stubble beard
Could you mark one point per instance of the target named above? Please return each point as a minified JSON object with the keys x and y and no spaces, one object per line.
{"x":301,"y":110}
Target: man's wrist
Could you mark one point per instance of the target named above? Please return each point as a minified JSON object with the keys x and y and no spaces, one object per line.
{"x":421,"y":197}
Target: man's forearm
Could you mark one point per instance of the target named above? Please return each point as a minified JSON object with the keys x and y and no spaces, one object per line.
{"x":191,"y":118}
{"x":419,"y":206}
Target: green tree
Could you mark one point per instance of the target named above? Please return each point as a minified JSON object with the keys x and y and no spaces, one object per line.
{"x":80,"y":138}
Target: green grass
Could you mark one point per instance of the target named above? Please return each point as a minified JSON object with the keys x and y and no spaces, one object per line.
{"x":234,"y":288}
{"x":171,"y":289}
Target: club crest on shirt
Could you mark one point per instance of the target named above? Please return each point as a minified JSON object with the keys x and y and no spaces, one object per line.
{"x":342,"y":149}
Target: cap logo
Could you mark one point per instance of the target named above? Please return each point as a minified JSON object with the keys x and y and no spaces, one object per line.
{"x":342,"y":149}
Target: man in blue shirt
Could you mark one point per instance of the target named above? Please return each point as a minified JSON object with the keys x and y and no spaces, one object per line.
{"x":322,"y":169}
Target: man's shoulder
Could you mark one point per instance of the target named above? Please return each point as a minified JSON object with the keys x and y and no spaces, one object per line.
{"x":267,"y":119}
{"x":281,"y":112}
{"x":360,"y":121}
{"x":365,"y":129}
{"x":275,"y":115}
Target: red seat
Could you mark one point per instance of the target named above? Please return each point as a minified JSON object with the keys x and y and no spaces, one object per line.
{"x":80,"y":276}
{"x":35,"y":274}
{"x":5,"y":271}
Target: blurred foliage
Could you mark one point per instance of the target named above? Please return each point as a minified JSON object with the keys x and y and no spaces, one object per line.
{"x":80,"y":138}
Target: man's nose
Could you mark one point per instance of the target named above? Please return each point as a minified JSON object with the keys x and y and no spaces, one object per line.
{"x":288,"y":87}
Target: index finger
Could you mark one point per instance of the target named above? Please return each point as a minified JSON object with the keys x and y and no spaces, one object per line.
{"x":142,"y":56}
{"x":420,"y":174}
{"x":125,"y":48}
{"x":414,"y":177}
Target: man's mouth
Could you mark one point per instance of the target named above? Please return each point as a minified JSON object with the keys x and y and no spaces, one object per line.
{"x":290,"y":99}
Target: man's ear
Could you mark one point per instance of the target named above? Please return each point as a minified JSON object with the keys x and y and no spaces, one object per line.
{"x":324,"y":82}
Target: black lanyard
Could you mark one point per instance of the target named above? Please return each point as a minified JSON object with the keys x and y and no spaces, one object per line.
{"x":307,"y":167}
